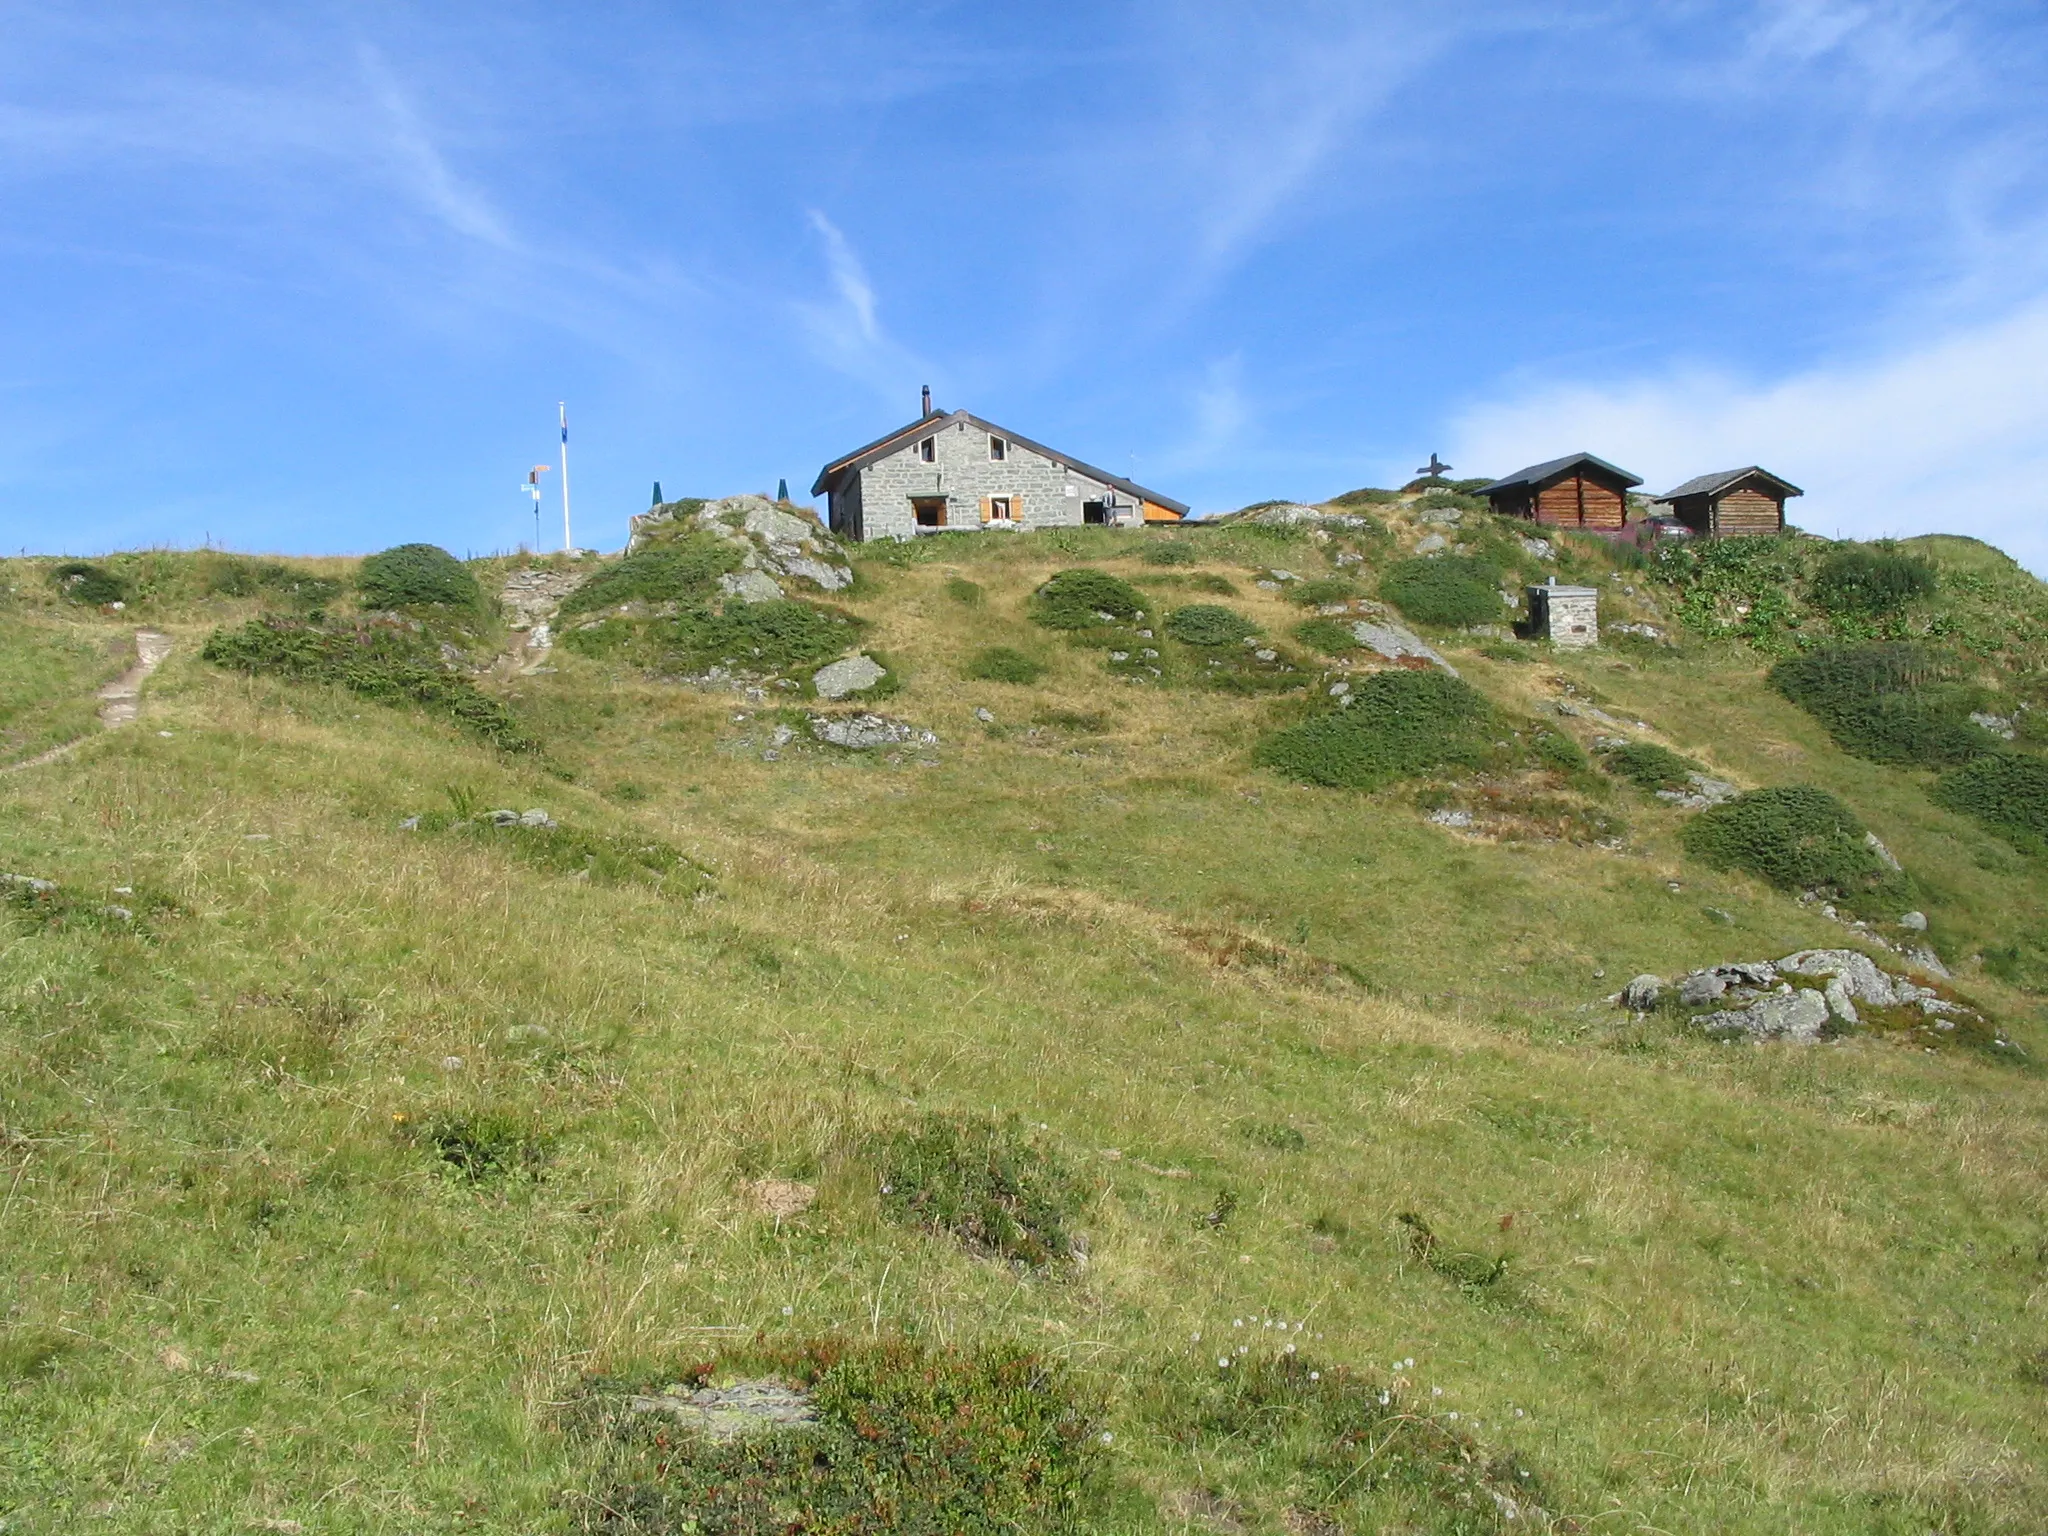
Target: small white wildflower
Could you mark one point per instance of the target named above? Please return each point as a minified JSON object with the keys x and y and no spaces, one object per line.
{"x":1237,"y":1322}
{"x":789,"y":1311}
{"x":1315,"y":1375}
{"x":1409,"y":1363}
{"x":1436,"y":1391}
{"x":1224,"y":1363}
{"x":1289,"y":1350}
{"x":1386,"y":1398}
{"x":888,"y":1189}
{"x":1297,"y":1327}
{"x":1198,"y":1338}
{"x":1108,"y":1438}
{"x":1453,"y":1415}
{"x":1519,"y":1414}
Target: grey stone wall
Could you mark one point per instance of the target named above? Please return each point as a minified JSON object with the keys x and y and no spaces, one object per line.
{"x":1566,"y":616}
{"x":1044,"y":493}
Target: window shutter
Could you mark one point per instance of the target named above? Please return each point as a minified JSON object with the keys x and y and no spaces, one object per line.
{"x":984,"y":509}
{"x":1017,"y":510}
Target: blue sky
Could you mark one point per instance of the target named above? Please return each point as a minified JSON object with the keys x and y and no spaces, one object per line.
{"x":312,"y":278}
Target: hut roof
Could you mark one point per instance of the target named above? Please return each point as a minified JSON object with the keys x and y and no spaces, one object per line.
{"x":1720,"y":480}
{"x":1557,"y":469}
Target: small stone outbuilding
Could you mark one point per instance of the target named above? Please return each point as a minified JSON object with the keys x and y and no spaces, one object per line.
{"x":1565,"y":616}
{"x":1577,"y":491}
{"x":1730,"y":503}
{"x":949,"y":471}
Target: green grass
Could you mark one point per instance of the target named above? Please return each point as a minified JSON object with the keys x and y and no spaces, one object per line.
{"x":1746,"y":1289}
{"x":1447,"y":590}
{"x":48,"y":674}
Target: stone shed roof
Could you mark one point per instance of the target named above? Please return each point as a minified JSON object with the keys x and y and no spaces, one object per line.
{"x":1720,"y":480}
{"x":833,"y":475}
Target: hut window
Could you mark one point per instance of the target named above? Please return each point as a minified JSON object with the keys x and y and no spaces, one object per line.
{"x":999,"y":509}
{"x":998,"y":450}
{"x":930,"y":511}
{"x":928,"y":450}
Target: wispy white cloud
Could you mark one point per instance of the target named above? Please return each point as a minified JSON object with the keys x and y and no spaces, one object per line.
{"x":416,"y":164}
{"x":846,"y":332}
{"x":1947,"y":435}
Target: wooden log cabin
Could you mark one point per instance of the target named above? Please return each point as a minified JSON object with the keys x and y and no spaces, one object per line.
{"x":1731,"y":503}
{"x":1579,"y":491}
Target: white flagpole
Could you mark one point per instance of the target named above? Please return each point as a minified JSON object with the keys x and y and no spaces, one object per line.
{"x":567,"y":544}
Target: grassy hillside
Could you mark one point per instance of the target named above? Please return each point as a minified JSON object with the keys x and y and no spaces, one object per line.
{"x":356,"y":1177}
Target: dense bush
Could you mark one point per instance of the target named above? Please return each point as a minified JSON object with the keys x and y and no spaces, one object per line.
{"x":1327,"y":636}
{"x":389,"y":666}
{"x":1799,"y":839}
{"x":1870,"y":579}
{"x":1318,"y":590}
{"x":1077,"y":599}
{"x":905,"y":1439}
{"x":756,"y":638}
{"x":93,"y":585}
{"x":234,"y":576}
{"x":1649,"y":766}
{"x":683,"y":570}
{"x":1171,"y":551}
{"x":1398,"y":724}
{"x":963,"y":591}
{"x":983,"y":1181}
{"x":1888,"y":703}
{"x":2006,"y":792}
{"x":1001,"y":664}
{"x":1451,"y":590}
{"x":417,"y":576}
{"x":1207,"y":624}
{"x":1365,"y":496}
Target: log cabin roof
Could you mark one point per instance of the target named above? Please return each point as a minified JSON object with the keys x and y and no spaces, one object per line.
{"x":835,"y":473}
{"x":1557,"y":469}
{"x":1707,"y":485}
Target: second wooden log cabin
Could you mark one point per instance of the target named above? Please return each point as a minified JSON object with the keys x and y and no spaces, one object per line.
{"x":1731,"y":502}
{"x":1577,"y":491}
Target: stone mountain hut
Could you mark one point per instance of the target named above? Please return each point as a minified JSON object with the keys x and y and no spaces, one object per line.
{"x":1731,"y":503}
{"x":1578,"y":491}
{"x":949,"y":471}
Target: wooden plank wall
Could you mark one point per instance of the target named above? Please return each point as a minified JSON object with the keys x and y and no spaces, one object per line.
{"x":1581,"y":503}
{"x":1747,"y":511}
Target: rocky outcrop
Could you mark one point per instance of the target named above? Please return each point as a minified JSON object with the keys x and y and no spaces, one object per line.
{"x":779,"y":544}
{"x":1763,"y":998}
{"x":1386,"y":638}
{"x":863,"y":733}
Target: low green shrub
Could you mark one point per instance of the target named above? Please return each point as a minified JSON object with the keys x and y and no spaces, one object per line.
{"x":1212,"y":581}
{"x":682,"y":570}
{"x":1365,"y":496}
{"x":1327,"y":636}
{"x":92,"y":585}
{"x":755,"y":638}
{"x":1648,"y":766}
{"x":391,"y":666}
{"x":1001,"y":664}
{"x":417,"y":576}
{"x":1799,"y":839}
{"x":1357,"y":1454}
{"x":1171,"y":551}
{"x":963,"y":591}
{"x":1558,"y":752}
{"x":605,"y":858}
{"x":486,"y":1145}
{"x":235,"y":576}
{"x":1449,"y":590}
{"x":1889,"y":703}
{"x":1444,"y":498}
{"x":903,"y":1439}
{"x":1870,"y":579}
{"x":1318,"y":590}
{"x":2005,"y":792}
{"x":983,"y":1181}
{"x":1206,"y":624}
{"x":1398,"y":724}
{"x":1078,"y":599}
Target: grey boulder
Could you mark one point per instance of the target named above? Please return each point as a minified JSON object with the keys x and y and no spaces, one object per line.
{"x":861,"y":733}
{"x":851,"y":674}
{"x":1642,"y":993}
{"x":1787,"y":1015}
